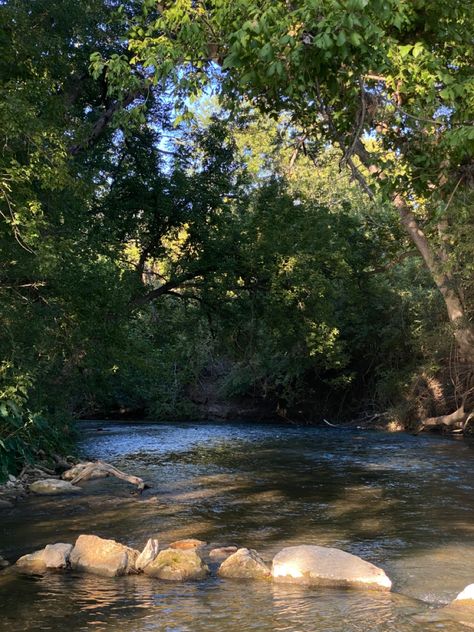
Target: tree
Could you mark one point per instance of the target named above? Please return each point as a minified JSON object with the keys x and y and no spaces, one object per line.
{"x":389,"y":82}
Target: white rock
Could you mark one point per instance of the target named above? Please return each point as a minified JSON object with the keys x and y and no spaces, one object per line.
{"x":147,"y":555}
{"x":52,"y":486}
{"x":467,"y":594}
{"x":325,"y":566}
{"x":52,"y":556}
{"x":102,"y":557}
{"x":57,"y":555}
{"x":244,"y":564}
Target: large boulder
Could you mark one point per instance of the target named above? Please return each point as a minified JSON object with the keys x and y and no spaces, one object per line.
{"x":177,"y":565}
{"x":52,"y":486}
{"x":102,"y":557}
{"x":147,"y":555}
{"x":244,"y":564}
{"x":53,"y":556}
{"x":324,"y":566}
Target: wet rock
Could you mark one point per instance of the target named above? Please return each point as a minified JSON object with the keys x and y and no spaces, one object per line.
{"x":92,"y":554}
{"x":177,"y":565}
{"x":53,"y":556}
{"x":244,"y":564}
{"x":190,"y":543}
{"x":147,"y":555}
{"x":466,"y":597}
{"x":318,"y":565}
{"x":222,"y":552}
{"x":52,"y":486}
{"x":5,"y":504}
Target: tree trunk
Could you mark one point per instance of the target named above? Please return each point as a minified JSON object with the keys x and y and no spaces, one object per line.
{"x":463,"y":332}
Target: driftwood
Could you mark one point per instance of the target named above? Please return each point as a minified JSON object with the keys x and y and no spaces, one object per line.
{"x":100,"y":469}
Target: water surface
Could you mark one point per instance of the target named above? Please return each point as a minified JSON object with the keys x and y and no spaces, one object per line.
{"x":404,"y":503}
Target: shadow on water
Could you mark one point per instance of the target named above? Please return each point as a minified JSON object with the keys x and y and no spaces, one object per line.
{"x":402,"y":502}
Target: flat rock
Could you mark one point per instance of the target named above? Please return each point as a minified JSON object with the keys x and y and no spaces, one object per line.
{"x":324,"y":566}
{"x":190,"y":543}
{"x":53,"y":556}
{"x":5,"y":504}
{"x":52,"y":486}
{"x":148,"y":554}
{"x":222,"y":552}
{"x":92,"y":554}
{"x":177,"y":565}
{"x":244,"y":564}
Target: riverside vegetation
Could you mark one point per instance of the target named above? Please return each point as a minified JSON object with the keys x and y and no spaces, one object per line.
{"x":267,"y":201}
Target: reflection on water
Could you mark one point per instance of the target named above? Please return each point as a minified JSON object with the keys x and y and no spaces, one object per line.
{"x":402,"y":502}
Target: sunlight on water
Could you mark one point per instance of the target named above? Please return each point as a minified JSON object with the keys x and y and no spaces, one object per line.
{"x":401,"y":502}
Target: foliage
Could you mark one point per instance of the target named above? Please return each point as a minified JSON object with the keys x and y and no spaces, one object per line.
{"x":149,"y":229}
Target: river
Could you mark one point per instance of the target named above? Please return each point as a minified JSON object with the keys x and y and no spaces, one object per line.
{"x":404,"y":503}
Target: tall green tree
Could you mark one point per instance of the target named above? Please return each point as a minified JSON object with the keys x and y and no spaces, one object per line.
{"x":389,"y":82}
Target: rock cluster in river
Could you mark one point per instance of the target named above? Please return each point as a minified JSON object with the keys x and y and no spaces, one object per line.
{"x":185,"y":560}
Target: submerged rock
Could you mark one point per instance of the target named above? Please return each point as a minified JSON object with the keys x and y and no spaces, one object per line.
{"x":319,"y":565}
{"x":51,"y":486}
{"x":53,"y":556}
{"x":190,"y":543}
{"x":244,"y":564}
{"x":147,"y":555}
{"x":92,"y":554}
{"x":177,"y":565}
{"x":222,"y":552}
{"x":5,"y":504}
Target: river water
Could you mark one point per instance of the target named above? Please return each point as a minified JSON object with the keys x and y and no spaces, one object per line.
{"x":404,"y":503}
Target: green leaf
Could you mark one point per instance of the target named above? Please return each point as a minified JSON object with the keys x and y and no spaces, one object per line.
{"x":405,"y":50}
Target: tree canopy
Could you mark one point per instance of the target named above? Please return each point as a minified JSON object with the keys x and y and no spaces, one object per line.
{"x":249,"y":185}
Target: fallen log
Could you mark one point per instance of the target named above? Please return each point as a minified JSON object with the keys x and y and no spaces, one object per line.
{"x":100,"y":469}
{"x":453,"y":421}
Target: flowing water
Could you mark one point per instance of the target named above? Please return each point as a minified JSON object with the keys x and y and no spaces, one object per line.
{"x":404,"y":503}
